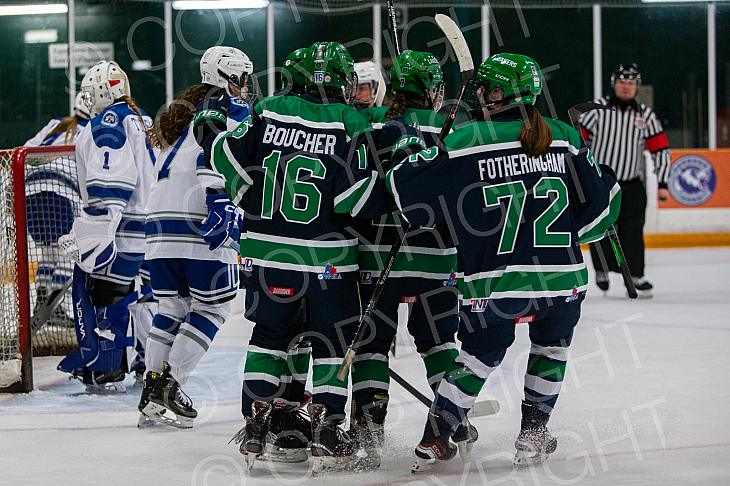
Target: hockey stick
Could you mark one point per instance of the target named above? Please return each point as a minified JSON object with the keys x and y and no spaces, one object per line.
{"x":466,"y":66}
{"x":43,"y":313}
{"x":393,"y":26}
{"x":574,"y":113}
{"x":480,"y":409}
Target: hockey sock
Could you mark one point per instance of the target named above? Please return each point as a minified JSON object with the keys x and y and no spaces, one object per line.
{"x":261,"y":376}
{"x":159,"y":341}
{"x":370,"y":377}
{"x":327,"y":389}
{"x":544,"y":377}
{"x":295,"y":373}
{"x":439,"y":360}
{"x":193,"y":340}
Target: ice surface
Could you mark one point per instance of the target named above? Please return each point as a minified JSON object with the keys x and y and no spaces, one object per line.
{"x":645,"y":401}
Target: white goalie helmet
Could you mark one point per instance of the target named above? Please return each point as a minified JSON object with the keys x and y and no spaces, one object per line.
{"x":80,"y":108}
{"x":369,"y":72}
{"x":228,"y":68}
{"x":104,"y":83}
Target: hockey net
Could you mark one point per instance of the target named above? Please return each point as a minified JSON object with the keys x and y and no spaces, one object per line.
{"x":38,"y":200}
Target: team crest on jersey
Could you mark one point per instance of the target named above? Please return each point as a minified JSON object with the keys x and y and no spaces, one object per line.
{"x":640,"y":122}
{"x":366,"y":278}
{"x":110,"y":119}
{"x":573,"y":296}
{"x":692,"y":180}
{"x":451,"y":281}
{"x":479,"y":305}
{"x":330,"y":273}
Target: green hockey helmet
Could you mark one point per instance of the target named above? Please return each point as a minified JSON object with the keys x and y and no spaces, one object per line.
{"x":330,"y":65}
{"x":519,"y":77}
{"x":293,"y":76}
{"x":418,"y":73}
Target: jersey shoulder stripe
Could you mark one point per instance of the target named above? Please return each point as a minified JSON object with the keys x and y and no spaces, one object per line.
{"x":108,"y":127}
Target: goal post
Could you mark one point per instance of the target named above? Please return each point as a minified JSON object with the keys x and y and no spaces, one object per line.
{"x":39,"y":198}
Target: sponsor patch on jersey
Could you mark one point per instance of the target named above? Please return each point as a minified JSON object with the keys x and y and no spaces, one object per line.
{"x":640,"y":122}
{"x":692,"y":180}
{"x":110,"y":119}
{"x":281,"y":291}
{"x":479,"y":305}
{"x":451,"y":281}
{"x":573,"y":296}
{"x":408,"y":299}
{"x":525,"y":319}
{"x":366,"y":278}
{"x":247,"y":264}
{"x":330,"y":273}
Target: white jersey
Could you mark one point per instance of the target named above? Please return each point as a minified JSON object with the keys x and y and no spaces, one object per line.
{"x":176,"y":205}
{"x":116,"y":169}
{"x":41,"y":139}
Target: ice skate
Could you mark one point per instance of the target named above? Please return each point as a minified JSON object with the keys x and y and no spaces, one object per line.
{"x":464,"y":437}
{"x":602,"y":281}
{"x":167,"y":396}
{"x":643,"y":287}
{"x":103,"y":382}
{"x":332,"y":449}
{"x":290,"y":433}
{"x":145,"y":407}
{"x":434,"y":447}
{"x":368,"y":435}
{"x":252,"y":437}
{"x":534,"y":443}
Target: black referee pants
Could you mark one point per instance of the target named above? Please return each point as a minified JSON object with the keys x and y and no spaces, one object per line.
{"x":630,"y":228}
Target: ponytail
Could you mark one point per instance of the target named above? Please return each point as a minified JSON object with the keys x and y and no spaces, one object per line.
{"x":401,"y":102}
{"x":149,"y":131}
{"x":174,"y":119}
{"x":535,"y":135}
{"x":68,"y":126}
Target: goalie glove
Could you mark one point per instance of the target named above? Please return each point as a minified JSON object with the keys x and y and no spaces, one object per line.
{"x":223,"y":224}
{"x":211,"y":117}
{"x":91,"y":240}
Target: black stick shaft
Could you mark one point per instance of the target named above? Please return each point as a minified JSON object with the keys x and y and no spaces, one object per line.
{"x":393,"y":26}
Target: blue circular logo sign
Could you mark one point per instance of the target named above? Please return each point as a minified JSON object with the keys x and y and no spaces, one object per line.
{"x":692,"y":180}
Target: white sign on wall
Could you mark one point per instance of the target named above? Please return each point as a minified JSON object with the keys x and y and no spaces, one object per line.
{"x":86,"y":54}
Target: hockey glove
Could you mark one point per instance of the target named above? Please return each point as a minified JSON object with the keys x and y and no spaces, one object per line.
{"x":403,"y":139}
{"x":211,"y":117}
{"x":223,"y":224}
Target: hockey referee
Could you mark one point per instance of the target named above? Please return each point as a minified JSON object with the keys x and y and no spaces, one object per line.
{"x":618,"y":139}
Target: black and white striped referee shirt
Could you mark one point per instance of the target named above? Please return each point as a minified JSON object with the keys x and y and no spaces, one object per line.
{"x":617,"y":138}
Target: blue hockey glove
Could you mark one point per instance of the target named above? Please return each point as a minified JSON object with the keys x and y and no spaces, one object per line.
{"x":223,"y":224}
{"x":403,"y":140}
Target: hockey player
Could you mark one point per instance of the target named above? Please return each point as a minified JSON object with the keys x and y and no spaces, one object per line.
{"x":371,"y":85}
{"x":522,"y":195}
{"x":52,"y":201}
{"x":422,"y":275}
{"x":115,"y":160}
{"x":305,"y":171}
{"x":193,"y":281}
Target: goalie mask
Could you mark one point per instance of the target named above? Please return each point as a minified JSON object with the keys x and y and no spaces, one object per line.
{"x":371,"y":85}
{"x":418,"y":73}
{"x":228,"y":68}
{"x":103,"y":84}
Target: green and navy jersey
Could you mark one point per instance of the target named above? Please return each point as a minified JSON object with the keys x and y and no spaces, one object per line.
{"x":300,"y":170}
{"x":426,"y":252}
{"x":518,"y":220}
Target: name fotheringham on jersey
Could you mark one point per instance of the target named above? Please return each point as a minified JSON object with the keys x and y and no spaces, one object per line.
{"x":313,"y":143}
{"x":519,"y":164}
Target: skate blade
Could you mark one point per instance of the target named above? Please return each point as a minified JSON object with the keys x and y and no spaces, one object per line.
{"x":144,"y":422}
{"x":279,"y":454}
{"x":528,"y":458}
{"x":465,"y":448}
{"x":328,"y":464}
{"x":157,"y":414}
{"x":421,"y":465}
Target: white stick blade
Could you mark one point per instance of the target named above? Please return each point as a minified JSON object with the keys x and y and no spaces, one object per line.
{"x":457,"y":41}
{"x":484,"y":408}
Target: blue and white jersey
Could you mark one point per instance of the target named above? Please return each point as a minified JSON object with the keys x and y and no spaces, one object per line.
{"x":176,"y":204}
{"x":115,"y":164}
{"x":41,"y":139}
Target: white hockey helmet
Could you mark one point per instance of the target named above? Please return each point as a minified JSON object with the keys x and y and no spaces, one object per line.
{"x":80,"y":108}
{"x":369,"y":72}
{"x":225,"y":66}
{"x":103,"y":84}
